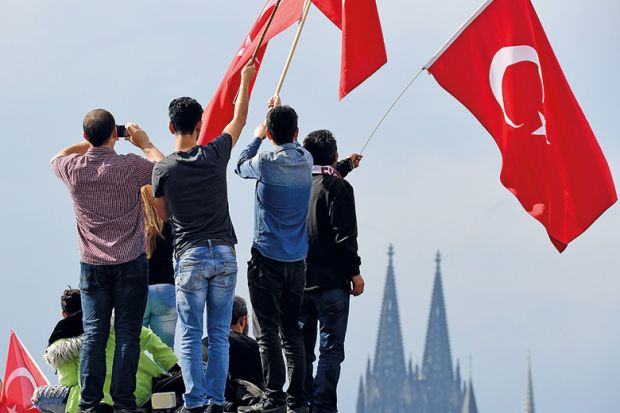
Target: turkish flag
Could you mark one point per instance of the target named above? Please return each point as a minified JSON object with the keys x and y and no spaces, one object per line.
{"x":21,"y":377}
{"x":220,"y":110}
{"x":503,"y":69}
{"x":363,"y":47}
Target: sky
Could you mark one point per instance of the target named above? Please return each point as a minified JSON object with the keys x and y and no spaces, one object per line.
{"x":429,"y":179}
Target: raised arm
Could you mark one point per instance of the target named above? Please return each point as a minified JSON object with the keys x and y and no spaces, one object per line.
{"x":235,"y":126}
{"x":79,"y":148}
{"x":141,"y":140}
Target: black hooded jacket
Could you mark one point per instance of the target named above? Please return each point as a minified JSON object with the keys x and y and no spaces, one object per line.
{"x":332,"y":233}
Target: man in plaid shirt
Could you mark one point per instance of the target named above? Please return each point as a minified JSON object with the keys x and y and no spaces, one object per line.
{"x":105,"y":189}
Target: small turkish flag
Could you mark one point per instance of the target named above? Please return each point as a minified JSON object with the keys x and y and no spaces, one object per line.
{"x":363,"y":47}
{"x":503,"y":69}
{"x":21,"y":377}
{"x":220,"y":110}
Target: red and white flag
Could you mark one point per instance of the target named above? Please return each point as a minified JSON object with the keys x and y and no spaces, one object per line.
{"x":220,"y":110}
{"x":21,"y":377}
{"x":501,"y":66}
{"x":363,"y":47}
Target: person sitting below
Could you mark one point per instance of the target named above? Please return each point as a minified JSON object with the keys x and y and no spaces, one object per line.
{"x":63,"y":354}
{"x":245,"y":374}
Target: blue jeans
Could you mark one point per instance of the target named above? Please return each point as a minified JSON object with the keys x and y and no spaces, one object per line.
{"x":205,"y":277}
{"x":330,"y":310}
{"x":161,"y":313}
{"x":122,"y":287}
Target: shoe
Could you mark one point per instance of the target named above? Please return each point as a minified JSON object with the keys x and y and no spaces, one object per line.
{"x":303,"y":409}
{"x":214,"y":408}
{"x":184,"y":409}
{"x":265,"y":406}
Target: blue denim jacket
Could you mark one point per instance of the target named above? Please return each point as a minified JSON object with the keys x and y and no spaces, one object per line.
{"x":282,"y":197}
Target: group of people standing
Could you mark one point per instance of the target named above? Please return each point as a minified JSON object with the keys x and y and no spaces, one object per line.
{"x":303,"y":268}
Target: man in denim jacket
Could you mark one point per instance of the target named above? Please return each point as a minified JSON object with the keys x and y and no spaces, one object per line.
{"x":276,"y":271}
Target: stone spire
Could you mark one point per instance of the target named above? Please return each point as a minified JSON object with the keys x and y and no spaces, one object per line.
{"x":437,"y":362}
{"x":469,"y":403}
{"x":389,"y":362}
{"x":361,"y":402}
{"x":528,"y":404}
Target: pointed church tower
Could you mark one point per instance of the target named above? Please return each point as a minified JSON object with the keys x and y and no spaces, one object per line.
{"x":389,"y":352}
{"x":528,"y":404}
{"x":469,"y":403}
{"x":361,"y":402}
{"x":437,"y":362}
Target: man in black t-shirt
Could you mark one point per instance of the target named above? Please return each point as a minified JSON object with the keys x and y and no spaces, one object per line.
{"x":189,"y":186}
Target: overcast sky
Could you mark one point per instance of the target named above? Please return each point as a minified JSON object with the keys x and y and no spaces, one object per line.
{"x":430,"y":179}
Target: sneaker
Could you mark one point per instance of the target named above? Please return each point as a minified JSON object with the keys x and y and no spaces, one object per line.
{"x":184,"y":409}
{"x":303,"y":409}
{"x":265,"y":406}
{"x":215,"y":408}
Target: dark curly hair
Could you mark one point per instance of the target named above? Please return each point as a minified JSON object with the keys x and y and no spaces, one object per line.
{"x":282,"y":124}
{"x":322,"y":146}
{"x":71,"y":301}
{"x":185,"y":113}
{"x":98,"y":126}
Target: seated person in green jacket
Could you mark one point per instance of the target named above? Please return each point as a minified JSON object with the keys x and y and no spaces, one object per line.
{"x":63,"y":354}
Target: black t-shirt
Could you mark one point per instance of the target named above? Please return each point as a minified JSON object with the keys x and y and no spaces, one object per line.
{"x":244,"y":358}
{"x":194,"y":184}
{"x":161,"y":267}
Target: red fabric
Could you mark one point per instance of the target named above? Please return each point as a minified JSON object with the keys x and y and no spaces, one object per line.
{"x":21,"y":377}
{"x":220,"y":110}
{"x":552,"y":162}
{"x":363,"y":47}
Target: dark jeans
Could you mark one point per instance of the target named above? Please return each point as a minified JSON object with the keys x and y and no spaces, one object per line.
{"x":330,"y":310}
{"x":276,"y":292}
{"x":124,"y":288}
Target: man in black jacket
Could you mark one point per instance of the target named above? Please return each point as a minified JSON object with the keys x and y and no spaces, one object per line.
{"x":332,"y":268}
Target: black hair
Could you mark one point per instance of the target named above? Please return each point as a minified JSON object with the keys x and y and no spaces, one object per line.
{"x":71,"y":301}
{"x":98,"y":126}
{"x":322,"y":146}
{"x":239,"y":309}
{"x":185,"y":113}
{"x":282,"y":124}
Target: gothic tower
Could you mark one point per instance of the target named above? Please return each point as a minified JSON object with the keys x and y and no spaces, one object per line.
{"x":528,"y":403}
{"x":469,"y":403}
{"x":437,"y":370}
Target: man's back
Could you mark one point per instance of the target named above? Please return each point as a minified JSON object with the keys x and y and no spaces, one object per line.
{"x":282,"y":195}
{"x":194,"y":184}
{"x":105,"y":188}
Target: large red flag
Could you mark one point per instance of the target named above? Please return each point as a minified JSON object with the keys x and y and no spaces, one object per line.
{"x":220,"y":110}
{"x":363,"y":47}
{"x":21,"y":377}
{"x":501,"y":66}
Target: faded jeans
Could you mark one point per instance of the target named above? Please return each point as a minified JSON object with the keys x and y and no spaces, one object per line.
{"x":205,"y":277}
{"x":161,"y":313}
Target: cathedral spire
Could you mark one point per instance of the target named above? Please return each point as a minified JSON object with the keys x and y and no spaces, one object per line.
{"x":528,"y":404}
{"x":389,"y":359}
{"x":437,"y":362}
{"x":469,"y":403}
{"x":361,"y":402}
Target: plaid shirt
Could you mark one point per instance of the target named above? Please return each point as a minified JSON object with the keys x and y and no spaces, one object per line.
{"x":105,"y":188}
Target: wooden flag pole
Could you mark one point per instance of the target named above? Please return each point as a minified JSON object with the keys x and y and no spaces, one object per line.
{"x":291,"y":52}
{"x":262,"y":36}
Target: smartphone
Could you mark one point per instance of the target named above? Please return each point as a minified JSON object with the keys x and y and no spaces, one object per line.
{"x":121,"y":131}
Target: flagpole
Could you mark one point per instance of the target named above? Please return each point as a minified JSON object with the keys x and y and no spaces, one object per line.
{"x":291,"y":52}
{"x":458,"y":33}
{"x":427,"y":66}
{"x":262,"y":36}
{"x":372,"y":134}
